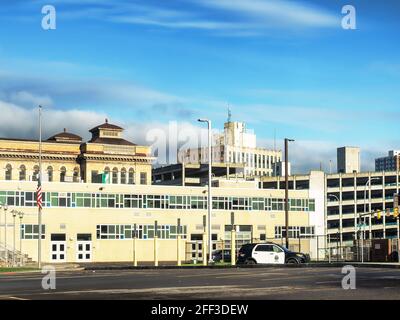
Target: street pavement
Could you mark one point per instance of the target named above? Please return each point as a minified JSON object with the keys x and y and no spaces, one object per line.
{"x":261,"y":283}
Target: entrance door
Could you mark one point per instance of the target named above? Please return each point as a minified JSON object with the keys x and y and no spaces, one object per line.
{"x":58,"y":248}
{"x":84,"y":247}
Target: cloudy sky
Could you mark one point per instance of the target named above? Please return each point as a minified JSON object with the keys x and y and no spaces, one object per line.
{"x":286,"y":68}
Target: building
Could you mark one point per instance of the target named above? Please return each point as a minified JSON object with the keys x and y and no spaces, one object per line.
{"x":348,"y":160}
{"x":90,"y":222}
{"x":279,"y":169}
{"x":182,"y":174}
{"x":350,"y":202}
{"x":96,"y":192}
{"x":235,"y":146}
{"x":389,"y":163}
{"x":66,"y":158}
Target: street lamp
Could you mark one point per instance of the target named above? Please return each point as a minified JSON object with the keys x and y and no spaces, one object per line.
{"x":209,"y":197}
{"x":20,"y":215}
{"x":287,"y":190}
{"x":359,"y":217}
{"x":14,"y":214}
{"x":5,"y":208}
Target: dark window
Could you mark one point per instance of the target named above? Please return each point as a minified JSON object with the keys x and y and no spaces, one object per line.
{"x":58,"y":237}
{"x":84,"y":237}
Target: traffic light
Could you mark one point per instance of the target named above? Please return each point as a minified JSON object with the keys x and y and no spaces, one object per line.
{"x":378,"y":214}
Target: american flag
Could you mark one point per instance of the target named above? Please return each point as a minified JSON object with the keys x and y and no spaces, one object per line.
{"x":39,"y":195}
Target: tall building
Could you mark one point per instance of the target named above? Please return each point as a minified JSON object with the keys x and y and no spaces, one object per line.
{"x":236,"y":145}
{"x":348,"y":160}
{"x":389,"y":163}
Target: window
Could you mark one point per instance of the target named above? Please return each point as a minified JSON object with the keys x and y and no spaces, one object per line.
{"x":63,"y":173}
{"x":115,"y":176}
{"x":131,"y":176}
{"x":75,"y":176}
{"x":50,"y":173}
{"x":198,"y":202}
{"x":121,"y":232}
{"x":31,"y":231}
{"x":143,"y":178}
{"x":8,"y":173}
{"x":35,"y":175}
{"x":123,"y":176}
{"x":106,"y":175}
{"x":264,"y":247}
{"x":22,"y":173}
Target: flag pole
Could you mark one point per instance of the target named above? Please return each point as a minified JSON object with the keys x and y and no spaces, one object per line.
{"x":39,"y":186}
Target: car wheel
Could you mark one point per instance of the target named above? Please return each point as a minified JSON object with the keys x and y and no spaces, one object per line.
{"x":250,"y":261}
{"x":293,"y":261}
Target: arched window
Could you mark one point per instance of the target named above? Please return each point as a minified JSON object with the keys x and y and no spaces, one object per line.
{"x":35,"y":175}
{"x":131,"y":176}
{"x":63,"y":173}
{"x":8,"y":172}
{"x":123,"y":176}
{"x":115,"y":176}
{"x":106,"y":177}
{"x":22,"y":173}
{"x":50,"y":173}
{"x":76,"y":175}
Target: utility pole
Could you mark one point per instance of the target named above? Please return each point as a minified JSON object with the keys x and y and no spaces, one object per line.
{"x":287,"y":190}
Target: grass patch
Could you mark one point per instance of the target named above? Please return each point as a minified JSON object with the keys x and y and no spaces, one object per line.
{"x":16,"y":269}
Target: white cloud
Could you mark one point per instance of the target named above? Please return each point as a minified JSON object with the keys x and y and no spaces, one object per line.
{"x":282,"y":12}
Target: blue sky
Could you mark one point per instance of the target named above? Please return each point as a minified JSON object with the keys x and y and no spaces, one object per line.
{"x":284,"y":66}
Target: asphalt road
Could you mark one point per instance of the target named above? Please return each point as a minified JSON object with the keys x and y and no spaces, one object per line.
{"x":263,"y":283}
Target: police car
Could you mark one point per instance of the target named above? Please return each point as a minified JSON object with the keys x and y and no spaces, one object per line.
{"x":269,"y":253}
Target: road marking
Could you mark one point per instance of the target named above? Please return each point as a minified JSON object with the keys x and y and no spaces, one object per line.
{"x":17,"y":298}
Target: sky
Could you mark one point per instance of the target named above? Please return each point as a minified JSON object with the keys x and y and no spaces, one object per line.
{"x":286,"y":68}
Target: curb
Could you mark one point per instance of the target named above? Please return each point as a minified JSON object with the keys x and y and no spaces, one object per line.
{"x":265,"y":266}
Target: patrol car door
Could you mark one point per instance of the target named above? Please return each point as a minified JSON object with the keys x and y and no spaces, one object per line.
{"x":279,"y":255}
{"x":261,"y":253}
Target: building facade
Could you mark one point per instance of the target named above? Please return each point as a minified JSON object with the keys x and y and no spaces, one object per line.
{"x":235,"y":146}
{"x":66,"y":158}
{"x":351,"y":202}
{"x":90,"y":222}
{"x":389,"y":163}
{"x":348,"y":160}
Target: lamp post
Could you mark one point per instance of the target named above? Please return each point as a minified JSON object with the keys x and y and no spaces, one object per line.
{"x":20,"y":215}
{"x":359,"y":217}
{"x":287,"y":190}
{"x":209,"y":196}
{"x":5,"y":208}
{"x":14,"y":214}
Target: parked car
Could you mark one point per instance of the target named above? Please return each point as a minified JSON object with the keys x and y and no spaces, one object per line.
{"x":269,"y":253}
{"x":221,"y":256}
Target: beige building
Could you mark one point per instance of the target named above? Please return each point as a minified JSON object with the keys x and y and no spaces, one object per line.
{"x":236,"y":145}
{"x":90,"y":222}
{"x":66,"y":158}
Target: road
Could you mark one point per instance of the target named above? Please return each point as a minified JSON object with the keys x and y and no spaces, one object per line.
{"x":263,"y":283}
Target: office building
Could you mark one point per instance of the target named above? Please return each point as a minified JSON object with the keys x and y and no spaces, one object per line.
{"x":389,"y":163}
{"x":348,"y":160}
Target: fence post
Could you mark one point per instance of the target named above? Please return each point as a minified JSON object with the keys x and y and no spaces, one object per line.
{"x":155,"y":244}
{"x":317,"y":248}
{"x":204,"y":249}
{"x":337,"y":247}
{"x":178,"y":248}
{"x":329,"y":248}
